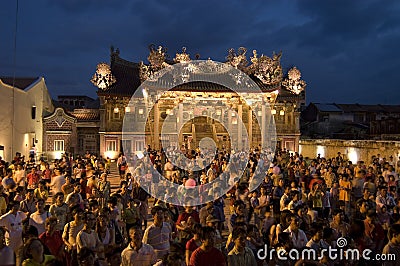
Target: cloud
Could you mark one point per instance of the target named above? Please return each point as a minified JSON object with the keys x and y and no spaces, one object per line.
{"x":341,"y":47}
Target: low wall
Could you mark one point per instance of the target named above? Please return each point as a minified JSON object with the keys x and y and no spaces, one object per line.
{"x":354,"y":150}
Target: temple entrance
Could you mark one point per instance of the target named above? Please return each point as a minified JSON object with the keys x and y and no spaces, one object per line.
{"x":202,"y":131}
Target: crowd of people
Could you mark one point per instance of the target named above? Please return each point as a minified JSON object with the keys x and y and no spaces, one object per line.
{"x":65,"y":212}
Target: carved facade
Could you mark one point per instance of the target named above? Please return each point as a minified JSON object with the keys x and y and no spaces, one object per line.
{"x":284,"y":95}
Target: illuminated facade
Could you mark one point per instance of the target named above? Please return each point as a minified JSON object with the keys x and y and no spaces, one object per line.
{"x":24,"y":102}
{"x":117,"y":82}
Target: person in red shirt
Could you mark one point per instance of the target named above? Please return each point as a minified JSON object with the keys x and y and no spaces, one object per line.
{"x":207,"y":254}
{"x":52,"y":238}
{"x":33,"y":179}
{"x":185,"y":222}
{"x":193,"y":243}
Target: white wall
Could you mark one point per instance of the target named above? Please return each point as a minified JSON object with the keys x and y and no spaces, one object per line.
{"x":15,"y":113}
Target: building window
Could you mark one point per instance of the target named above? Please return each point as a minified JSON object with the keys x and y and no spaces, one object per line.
{"x":111,"y":145}
{"x":139,"y":145}
{"x":59,"y":145}
{"x":33,"y":112}
{"x":116,"y":115}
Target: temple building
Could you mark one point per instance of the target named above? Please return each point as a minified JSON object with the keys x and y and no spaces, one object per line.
{"x":197,"y":110}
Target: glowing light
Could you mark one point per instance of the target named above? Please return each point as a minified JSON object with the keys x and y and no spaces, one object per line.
{"x":273,"y":111}
{"x":103,"y":77}
{"x":58,"y":154}
{"x":281,"y":112}
{"x":218,"y":112}
{"x":145,"y":94}
{"x":321,"y":151}
{"x":352,"y":154}
{"x":127,"y":109}
{"x":259,"y":113}
{"x":116,"y":110}
{"x":140,"y":111}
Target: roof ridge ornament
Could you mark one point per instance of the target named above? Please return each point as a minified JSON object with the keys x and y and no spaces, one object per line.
{"x":238,"y":60}
{"x":103,"y":78}
{"x":293,"y":82}
{"x":182,"y":57}
{"x":266,"y":69}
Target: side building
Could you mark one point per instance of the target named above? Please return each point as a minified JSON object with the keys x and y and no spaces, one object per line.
{"x":24,"y":102}
{"x":73,"y":127}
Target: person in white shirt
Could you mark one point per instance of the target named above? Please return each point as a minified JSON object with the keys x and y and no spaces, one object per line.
{"x":57,"y":181}
{"x":20,"y":176}
{"x":138,"y":252}
{"x":298,"y":237}
{"x":158,"y":235}
{"x":88,"y":237}
{"x":38,"y":218}
{"x":12,"y":221}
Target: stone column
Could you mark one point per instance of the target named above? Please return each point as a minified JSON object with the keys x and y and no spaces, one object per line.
{"x":263,"y":124}
{"x":250,"y":124}
{"x":240,"y":125}
{"x":179,"y":124}
{"x":156,"y":126}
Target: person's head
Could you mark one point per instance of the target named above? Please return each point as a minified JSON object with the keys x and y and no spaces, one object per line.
{"x":135,"y":235}
{"x":89,"y":219}
{"x":394,"y":234}
{"x":317,"y":232}
{"x":59,"y":197}
{"x":383,"y":190}
{"x":13,"y":205}
{"x":338,"y":216}
{"x":294,"y":222}
{"x":239,"y":207}
{"x":158,"y":214}
{"x":33,"y":249}
{"x":42,"y":184}
{"x":39,"y":203}
{"x":211,"y":221}
{"x":239,"y":237}
{"x":77,"y":213}
{"x":103,"y":177}
{"x":208,"y":237}
{"x":51,"y":223}
{"x":371,"y":217}
{"x":29,"y":194}
{"x":57,"y":171}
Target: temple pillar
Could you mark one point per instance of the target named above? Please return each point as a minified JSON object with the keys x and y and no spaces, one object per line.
{"x":263,"y":124}
{"x":156,"y":126}
{"x":250,"y":124}
{"x":240,"y":126}
{"x":180,"y":123}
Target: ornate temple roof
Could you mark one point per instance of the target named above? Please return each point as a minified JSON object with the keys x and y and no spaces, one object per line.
{"x":124,"y":77}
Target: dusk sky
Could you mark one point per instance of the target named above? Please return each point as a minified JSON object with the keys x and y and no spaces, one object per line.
{"x":347,"y":51}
